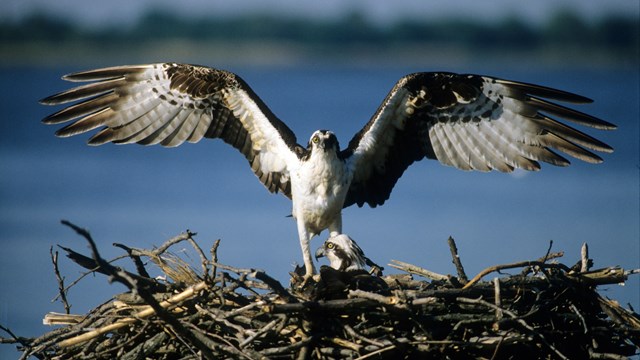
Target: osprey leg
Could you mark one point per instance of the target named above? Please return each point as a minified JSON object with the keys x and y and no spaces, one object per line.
{"x":305,"y":243}
{"x":335,"y":228}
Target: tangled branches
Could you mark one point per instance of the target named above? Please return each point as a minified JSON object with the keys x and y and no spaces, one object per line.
{"x":549,"y":310}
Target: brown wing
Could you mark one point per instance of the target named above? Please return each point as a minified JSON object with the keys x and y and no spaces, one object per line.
{"x":471,"y":122}
{"x":169,"y":104}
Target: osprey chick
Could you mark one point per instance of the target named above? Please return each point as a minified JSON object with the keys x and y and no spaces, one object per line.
{"x":471,"y":122}
{"x":343,"y":253}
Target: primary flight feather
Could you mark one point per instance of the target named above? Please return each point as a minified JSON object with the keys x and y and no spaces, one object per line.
{"x":470,"y":122}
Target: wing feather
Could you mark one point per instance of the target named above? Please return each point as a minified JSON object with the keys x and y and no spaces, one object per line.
{"x":471,"y":122}
{"x":169,"y":104}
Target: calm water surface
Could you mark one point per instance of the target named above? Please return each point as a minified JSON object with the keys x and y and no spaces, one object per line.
{"x":142,"y":196}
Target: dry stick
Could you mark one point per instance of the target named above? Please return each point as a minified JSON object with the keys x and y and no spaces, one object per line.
{"x":262,"y":276}
{"x":417,"y":270}
{"x":584,"y":258}
{"x":517,"y":319}
{"x":174,"y":300}
{"x":174,"y":240}
{"x":61,"y":289}
{"x":214,"y":258}
{"x":104,"y":267}
{"x":456,"y":261}
{"x":547,"y":256}
{"x":84,"y":274}
{"x":185,"y":236}
{"x":263,"y":330}
{"x":377,"y":352}
{"x":203,"y":258}
{"x":387,"y":300}
{"x":193,"y":339}
{"x":85,"y":233}
{"x":511,"y":266}
{"x":219,"y":317}
{"x":574,"y":308}
{"x":135,"y":257}
{"x":356,"y":335}
{"x":240,"y":310}
{"x":210,"y":344}
{"x":131,"y":281}
{"x":498,"y":299}
{"x":274,"y":285}
{"x":302,"y":344}
{"x":16,"y":339}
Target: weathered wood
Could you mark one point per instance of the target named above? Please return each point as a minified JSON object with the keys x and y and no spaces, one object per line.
{"x":546,"y":311}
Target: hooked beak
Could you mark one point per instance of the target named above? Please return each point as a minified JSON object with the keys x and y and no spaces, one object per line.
{"x":320,"y":252}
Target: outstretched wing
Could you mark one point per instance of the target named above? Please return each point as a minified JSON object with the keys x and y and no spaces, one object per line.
{"x":169,"y":104}
{"x":471,"y":122}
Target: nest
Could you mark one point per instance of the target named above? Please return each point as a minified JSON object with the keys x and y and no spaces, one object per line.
{"x":546,"y":311}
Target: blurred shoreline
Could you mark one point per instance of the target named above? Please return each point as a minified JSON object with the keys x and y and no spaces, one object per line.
{"x":273,"y":53}
{"x":255,"y":40}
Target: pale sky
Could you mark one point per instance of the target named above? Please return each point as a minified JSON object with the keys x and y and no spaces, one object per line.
{"x":126,"y":11}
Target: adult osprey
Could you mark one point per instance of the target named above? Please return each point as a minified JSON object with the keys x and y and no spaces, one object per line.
{"x":471,"y":122}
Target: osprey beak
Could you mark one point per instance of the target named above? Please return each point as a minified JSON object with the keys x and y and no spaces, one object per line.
{"x":320,"y":252}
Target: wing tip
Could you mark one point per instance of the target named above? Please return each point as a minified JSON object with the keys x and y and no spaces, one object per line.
{"x":546,"y":92}
{"x":49,"y":100}
{"x":106,"y":73}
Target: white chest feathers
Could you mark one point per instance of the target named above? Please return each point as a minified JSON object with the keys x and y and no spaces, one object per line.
{"x":319,"y":187}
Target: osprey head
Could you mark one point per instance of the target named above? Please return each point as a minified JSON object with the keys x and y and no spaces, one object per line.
{"x":324,"y":140}
{"x":343,"y":253}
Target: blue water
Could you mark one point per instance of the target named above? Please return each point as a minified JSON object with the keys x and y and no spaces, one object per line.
{"x":142,"y":196}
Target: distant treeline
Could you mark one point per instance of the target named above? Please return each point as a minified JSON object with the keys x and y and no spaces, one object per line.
{"x":620,"y":33}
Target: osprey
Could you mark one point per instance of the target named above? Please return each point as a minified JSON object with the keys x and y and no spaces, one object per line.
{"x":346,"y":269}
{"x":343,"y":253}
{"x":470,"y":122}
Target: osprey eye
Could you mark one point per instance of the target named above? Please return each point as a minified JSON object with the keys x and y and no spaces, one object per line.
{"x":330,"y":246}
{"x":315,"y":139}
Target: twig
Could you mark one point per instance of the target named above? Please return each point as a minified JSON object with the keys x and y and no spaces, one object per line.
{"x":175,"y":300}
{"x":547,"y":256}
{"x":104,"y":267}
{"x":264,"y":329}
{"x":142,"y":271}
{"x":16,"y":339}
{"x":491,"y":269}
{"x":413,"y":269}
{"x":214,"y":258}
{"x":456,"y":261}
{"x":584,"y":258}
{"x":376,"y":353}
{"x":274,"y":285}
{"x":574,"y":308}
{"x":192,"y":337}
{"x":83,"y":274}
{"x":60,"y":279}
{"x":355,"y":334}
{"x":519,"y":320}
{"x":387,"y":300}
{"x":610,"y":275}
{"x":174,"y":240}
{"x":497,"y":298}
{"x":203,"y":258}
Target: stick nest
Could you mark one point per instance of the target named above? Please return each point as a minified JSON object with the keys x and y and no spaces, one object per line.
{"x":545,"y":311}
